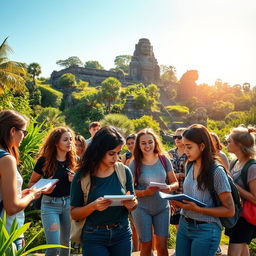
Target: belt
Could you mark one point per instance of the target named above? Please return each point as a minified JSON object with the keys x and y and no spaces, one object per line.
{"x":109,"y":226}
{"x":189,"y":220}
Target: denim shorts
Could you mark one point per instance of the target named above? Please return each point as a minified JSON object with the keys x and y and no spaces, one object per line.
{"x":144,"y":221}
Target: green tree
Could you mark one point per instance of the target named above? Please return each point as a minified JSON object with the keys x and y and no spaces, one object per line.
{"x":168,"y":74}
{"x":153,"y":91}
{"x":121,"y":122}
{"x":93,"y":64}
{"x":71,"y":61}
{"x":35,"y":70}
{"x":122,"y":62}
{"x":110,"y":90}
{"x":12,"y":73}
{"x":144,"y":122}
{"x":67,"y":80}
{"x":220,"y":109}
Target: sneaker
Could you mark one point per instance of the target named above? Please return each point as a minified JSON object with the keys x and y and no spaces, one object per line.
{"x":218,"y":252}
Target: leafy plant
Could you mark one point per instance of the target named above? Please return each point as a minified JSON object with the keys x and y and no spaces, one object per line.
{"x":30,"y":146}
{"x":7,"y":239}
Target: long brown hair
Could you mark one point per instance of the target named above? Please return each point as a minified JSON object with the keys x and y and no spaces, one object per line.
{"x":49,"y":151}
{"x":8,"y":120}
{"x":199,"y":134}
{"x":138,"y":155}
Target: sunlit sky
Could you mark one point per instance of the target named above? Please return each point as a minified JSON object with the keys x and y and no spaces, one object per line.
{"x":215,"y":37}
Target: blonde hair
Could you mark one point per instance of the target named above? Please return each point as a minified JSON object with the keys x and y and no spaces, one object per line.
{"x":244,"y":137}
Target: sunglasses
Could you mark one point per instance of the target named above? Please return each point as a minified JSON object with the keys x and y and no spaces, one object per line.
{"x":179,"y":137}
{"x":24,"y":131}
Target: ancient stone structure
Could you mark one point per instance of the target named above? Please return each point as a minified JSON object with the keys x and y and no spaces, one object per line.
{"x":143,"y":69}
{"x":91,"y":75}
{"x":143,"y":66}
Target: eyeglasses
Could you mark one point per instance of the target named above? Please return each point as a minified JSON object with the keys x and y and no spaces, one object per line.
{"x":24,"y":131}
{"x":179,"y":137}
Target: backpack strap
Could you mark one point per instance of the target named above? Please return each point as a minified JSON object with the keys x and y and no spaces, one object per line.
{"x":244,"y":172}
{"x":163,"y":161}
{"x":3,"y":153}
{"x":121,"y":174}
{"x":86,"y":185}
{"x":232,"y":164}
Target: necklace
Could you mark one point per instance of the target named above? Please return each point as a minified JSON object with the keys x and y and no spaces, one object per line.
{"x":239,"y":165}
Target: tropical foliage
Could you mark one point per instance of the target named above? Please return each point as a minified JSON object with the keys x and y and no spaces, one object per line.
{"x":12,"y":73}
{"x":7,"y":247}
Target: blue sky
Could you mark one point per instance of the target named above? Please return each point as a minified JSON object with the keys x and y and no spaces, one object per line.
{"x":216,"y":37}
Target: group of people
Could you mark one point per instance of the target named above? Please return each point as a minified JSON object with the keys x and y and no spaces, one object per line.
{"x":89,"y":170}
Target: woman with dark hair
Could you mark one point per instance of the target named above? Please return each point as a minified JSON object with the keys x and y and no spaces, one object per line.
{"x":241,"y":142}
{"x":57,"y":158}
{"x":106,"y":230}
{"x":150,"y":165}
{"x":12,"y":198}
{"x":199,"y":227}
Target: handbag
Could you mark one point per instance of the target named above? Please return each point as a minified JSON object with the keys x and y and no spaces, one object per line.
{"x":249,"y":212}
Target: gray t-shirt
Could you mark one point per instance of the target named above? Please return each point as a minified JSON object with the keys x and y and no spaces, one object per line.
{"x":190,"y":188}
{"x":155,"y":173}
{"x":251,"y":175}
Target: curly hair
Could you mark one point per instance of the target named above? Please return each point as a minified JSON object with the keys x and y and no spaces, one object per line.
{"x":49,"y":151}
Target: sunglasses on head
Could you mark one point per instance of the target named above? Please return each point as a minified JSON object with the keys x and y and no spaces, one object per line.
{"x":24,"y":131}
{"x":179,"y":137}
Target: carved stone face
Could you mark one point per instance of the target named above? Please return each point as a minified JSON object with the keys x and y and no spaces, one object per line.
{"x":145,"y":49}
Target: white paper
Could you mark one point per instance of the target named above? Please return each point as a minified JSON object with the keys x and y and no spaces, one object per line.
{"x":157,"y":184}
{"x":44,"y":184}
{"x":116,"y":199}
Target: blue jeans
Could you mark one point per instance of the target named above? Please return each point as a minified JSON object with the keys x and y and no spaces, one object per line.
{"x":107,"y":242}
{"x":56,"y":222}
{"x":197,"y":239}
{"x":18,"y":243}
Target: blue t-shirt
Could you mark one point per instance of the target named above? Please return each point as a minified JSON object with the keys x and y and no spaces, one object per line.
{"x":99,"y":187}
{"x":190,"y":188}
{"x":149,"y":173}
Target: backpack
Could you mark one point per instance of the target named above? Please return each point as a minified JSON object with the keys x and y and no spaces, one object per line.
{"x":244,"y":171}
{"x":77,"y":225}
{"x":2,"y":154}
{"x":227,"y":222}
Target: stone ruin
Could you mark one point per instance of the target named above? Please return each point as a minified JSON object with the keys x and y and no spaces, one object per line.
{"x":143,"y":68}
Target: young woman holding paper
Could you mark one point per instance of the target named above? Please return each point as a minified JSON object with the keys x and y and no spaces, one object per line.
{"x":150,"y":165}
{"x":106,"y":230}
{"x":12,"y":198}
{"x":57,"y":159}
{"x":199,"y":229}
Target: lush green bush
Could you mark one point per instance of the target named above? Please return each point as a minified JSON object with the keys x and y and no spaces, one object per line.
{"x":220,"y":109}
{"x":67,"y":80}
{"x":29,"y":148}
{"x":121,"y":122}
{"x":234,"y":115}
{"x":17,"y":103}
{"x":50,"y":96}
{"x":51,"y":117}
{"x":146,"y":122}
{"x":178,"y":110}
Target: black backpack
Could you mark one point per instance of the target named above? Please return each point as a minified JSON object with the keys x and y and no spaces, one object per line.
{"x":227,"y":222}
